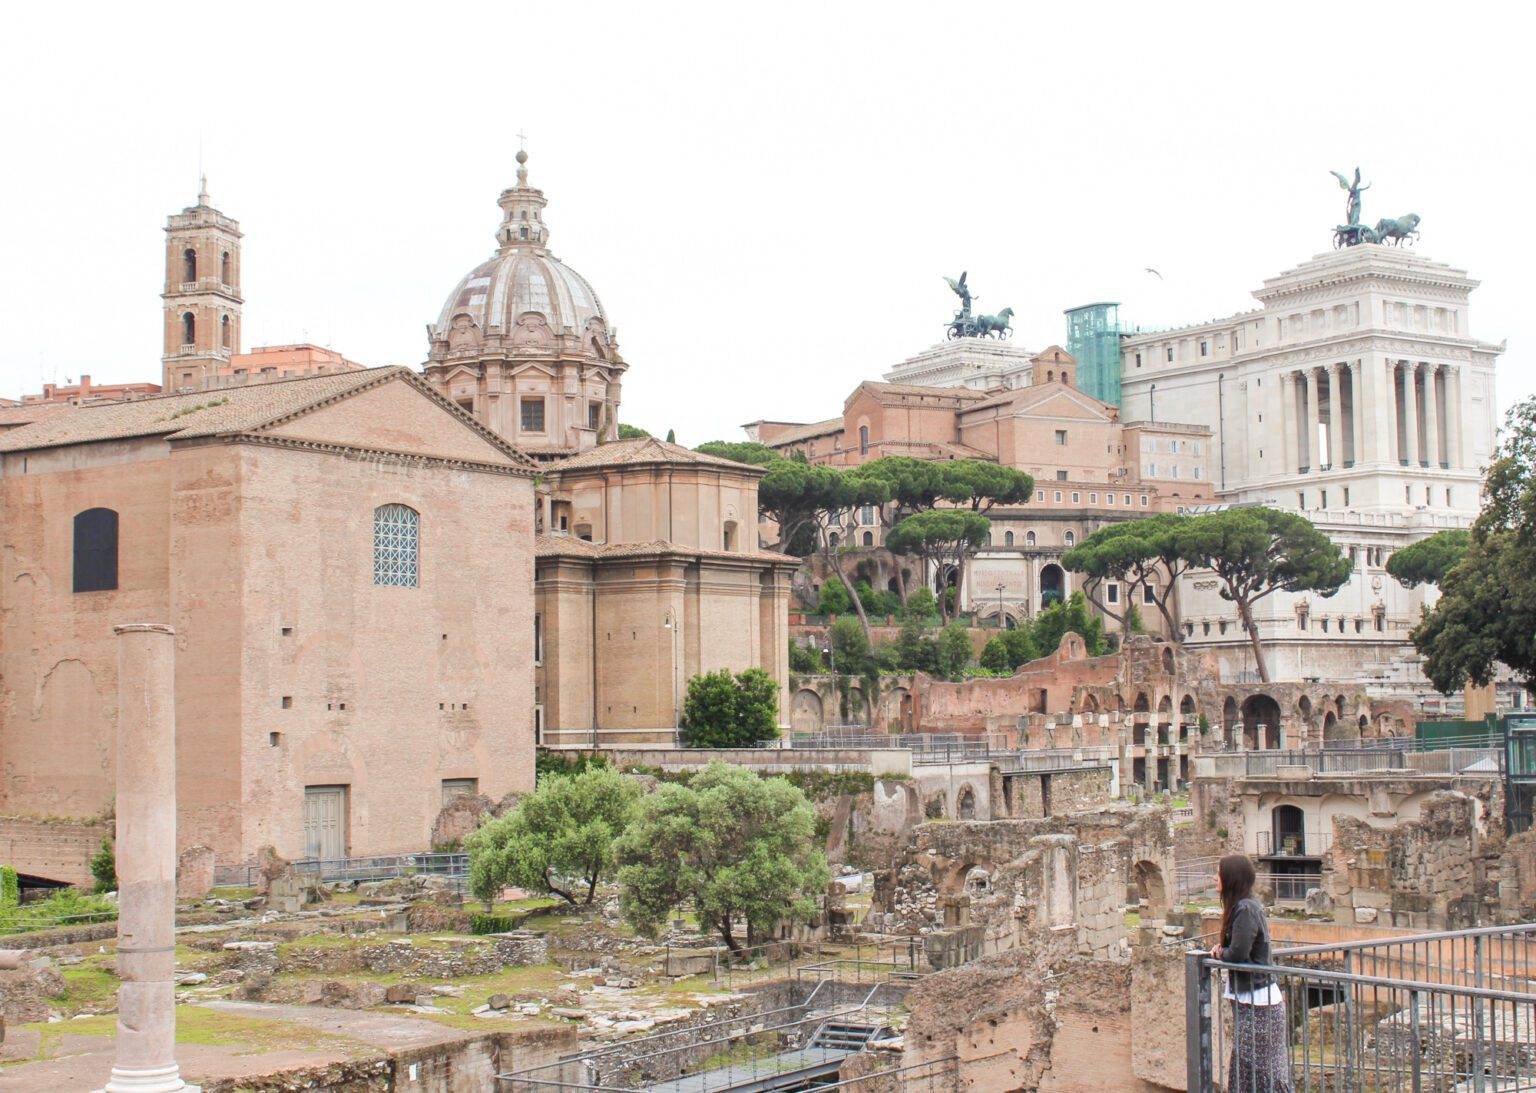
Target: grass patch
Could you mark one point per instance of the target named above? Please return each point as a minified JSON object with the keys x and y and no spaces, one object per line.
{"x":232,"y":893}
{"x":89,"y":986}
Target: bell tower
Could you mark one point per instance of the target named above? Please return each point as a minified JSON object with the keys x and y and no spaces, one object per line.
{"x":202,"y":294}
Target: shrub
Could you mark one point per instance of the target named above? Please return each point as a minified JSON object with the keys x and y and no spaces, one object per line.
{"x":804,"y":658}
{"x":10,"y":887}
{"x":725,"y":711}
{"x":104,"y":867}
{"x":954,"y":650}
{"x":482,"y":923}
{"x":994,"y":657}
{"x":834,"y":598}
{"x":921,"y":604}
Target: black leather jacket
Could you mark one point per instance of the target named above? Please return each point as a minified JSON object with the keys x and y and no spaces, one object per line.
{"x":1248,"y":943}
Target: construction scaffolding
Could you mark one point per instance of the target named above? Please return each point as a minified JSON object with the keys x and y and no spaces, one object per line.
{"x":1093,"y":337}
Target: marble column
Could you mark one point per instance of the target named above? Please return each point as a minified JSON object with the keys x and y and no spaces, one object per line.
{"x":1432,"y":452}
{"x":1309,"y":420}
{"x":1335,"y":456}
{"x":1287,"y":422}
{"x":1391,"y":408}
{"x":1453,"y":454}
{"x":1412,"y":451}
{"x":146,"y":862}
{"x":1356,"y":412}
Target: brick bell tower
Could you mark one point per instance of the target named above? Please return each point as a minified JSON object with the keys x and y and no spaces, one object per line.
{"x":202,"y":294}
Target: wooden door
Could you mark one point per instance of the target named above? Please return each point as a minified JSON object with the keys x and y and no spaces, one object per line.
{"x":325,"y":821}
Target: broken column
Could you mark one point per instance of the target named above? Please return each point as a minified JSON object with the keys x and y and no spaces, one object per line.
{"x":146,"y":862}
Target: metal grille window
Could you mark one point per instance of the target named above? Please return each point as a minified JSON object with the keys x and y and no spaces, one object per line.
{"x":396,"y":545}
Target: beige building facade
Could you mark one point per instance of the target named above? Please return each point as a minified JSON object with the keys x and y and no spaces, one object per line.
{"x":648,"y":573}
{"x":346,"y":562}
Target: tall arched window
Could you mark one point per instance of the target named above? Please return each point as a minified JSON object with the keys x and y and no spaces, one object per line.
{"x":188,"y":329}
{"x":95,"y":550}
{"x":224,"y":331}
{"x":396,"y":546}
{"x":1029,"y":538}
{"x":224,"y":269}
{"x":1070,"y":539}
{"x":1008,"y":538}
{"x":189,"y":265}
{"x":863,"y":439}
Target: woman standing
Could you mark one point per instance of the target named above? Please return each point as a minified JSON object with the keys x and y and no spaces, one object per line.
{"x":1261,"y":1059}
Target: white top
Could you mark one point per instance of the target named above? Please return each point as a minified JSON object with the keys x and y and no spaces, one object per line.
{"x":1264,"y":996}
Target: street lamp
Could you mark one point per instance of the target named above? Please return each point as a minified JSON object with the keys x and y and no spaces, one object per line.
{"x":1000,"y":587}
{"x":669,"y":625}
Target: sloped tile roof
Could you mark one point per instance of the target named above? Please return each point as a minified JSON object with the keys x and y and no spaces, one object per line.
{"x":621,"y":453}
{"x":564,"y":546}
{"x":221,"y":412}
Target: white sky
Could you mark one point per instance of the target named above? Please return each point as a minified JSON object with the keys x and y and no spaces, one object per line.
{"x":764,"y":197}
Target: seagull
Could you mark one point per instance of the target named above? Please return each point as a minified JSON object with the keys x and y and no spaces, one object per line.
{"x":1154,"y":273}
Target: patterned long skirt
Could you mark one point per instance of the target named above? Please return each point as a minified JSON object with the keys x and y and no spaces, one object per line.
{"x":1261,"y":1050}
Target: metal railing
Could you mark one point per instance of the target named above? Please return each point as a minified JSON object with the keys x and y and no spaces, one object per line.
{"x":1450,"y":1011}
{"x":1333,"y":761}
{"x":1298,"y":844}
{"x":454,"y":867}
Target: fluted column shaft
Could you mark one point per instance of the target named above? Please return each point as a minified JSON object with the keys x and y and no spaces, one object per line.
{"x":1356,"y":412}
{"x":1413,"y":453}
{"x":1432,"y":453}
{"x":1335,"y":454}
{"x":1453,"y":454}
{"x":1309,"y":420}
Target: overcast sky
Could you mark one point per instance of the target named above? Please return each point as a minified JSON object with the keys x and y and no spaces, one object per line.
{"x":764,"y":196}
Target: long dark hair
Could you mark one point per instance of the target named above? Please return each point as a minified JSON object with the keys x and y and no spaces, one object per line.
{"x":1237,"y":877}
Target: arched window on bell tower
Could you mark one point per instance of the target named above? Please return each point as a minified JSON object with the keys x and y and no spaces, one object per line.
{"x":224,"y":332}
{"x":224,"y":269}
{"x":188,"y":328}
{"x":189,"y":265}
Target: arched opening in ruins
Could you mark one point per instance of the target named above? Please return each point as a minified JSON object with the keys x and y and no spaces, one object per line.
{"x":1188,"y":718}
{"x":1140,"y":712}
{"x":1261,"y":721}
{"x":1168,"y":660}
{"x":805,"y":711}
{"x":1337,"y":731}
{"x":1053,"y":583}
{"x":1304,"y":713}
{"x":965,"y":804}
{"x":934,"y":809}
{"x":1150,"y":889}
{"x":1229,"y":722}
{"x":1164,"y":718}
{"x":858,"y":708}
{"x":1289,"y":827}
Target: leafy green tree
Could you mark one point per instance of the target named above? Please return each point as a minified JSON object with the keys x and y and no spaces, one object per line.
{"x":915,"y":650}
{"x":1072,"y":614}
{"x":722,"y":710}
{"x":1257,"y":551}
{"x":632,"y":432}
{"x":1486,"y":614}
{"x":834,"y":599}
{"x":804,"y":658}
{"x":941,"y":538}
{"x":850,"y":647}
{"x":559,"y":836}
{"x":734,"y":846}
{"x":104,"y":867}
{"x":922,"y":604}
{"x":954,"y":651}
{"x":994,"y":656}
{"x":740,"y":451}
{"x":1021,"y":646}
{"x":671,"y":436}
{"x":982,"y":484}
{"x":1139,"y":554}
{"x":1429,"y":560}
{"x":1133,"y":623}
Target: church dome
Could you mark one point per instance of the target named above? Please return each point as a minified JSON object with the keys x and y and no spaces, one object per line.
{"x":519,"y":280}
{"x":507,"y":296}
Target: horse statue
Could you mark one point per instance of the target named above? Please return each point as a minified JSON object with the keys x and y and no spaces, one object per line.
{"x":1396,"y":230}
{"x":998,"y":324}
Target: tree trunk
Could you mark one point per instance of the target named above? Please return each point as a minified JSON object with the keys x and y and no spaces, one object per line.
{"x":1246,"y":614}
{"x":1170,"y":620}
{"x":836,"y":563}
{"x":730,"y":939}
{"x":550,"y":884}
{"x":591,"y":888}
{"x":1090,"y":589}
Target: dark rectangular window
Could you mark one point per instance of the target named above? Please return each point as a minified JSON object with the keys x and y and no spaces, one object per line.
{"x":533,"y":415}
{"x":95,"y":550}
{"x":594,"y":414}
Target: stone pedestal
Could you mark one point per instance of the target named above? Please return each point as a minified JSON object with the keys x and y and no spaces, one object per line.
{"x":146,"y":862}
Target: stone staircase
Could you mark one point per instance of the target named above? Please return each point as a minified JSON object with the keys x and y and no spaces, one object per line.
{"x":849,"y":1035}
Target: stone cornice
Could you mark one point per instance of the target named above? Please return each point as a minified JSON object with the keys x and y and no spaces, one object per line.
{"x":380,"y":455}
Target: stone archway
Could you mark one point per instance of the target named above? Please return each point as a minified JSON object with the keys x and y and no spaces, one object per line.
{"x":1229,"y":722}
{"x":1261,"y":721}
{"x":1150,"y":888}
{"x":965,"y":804}
{"x":805,"y":711}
